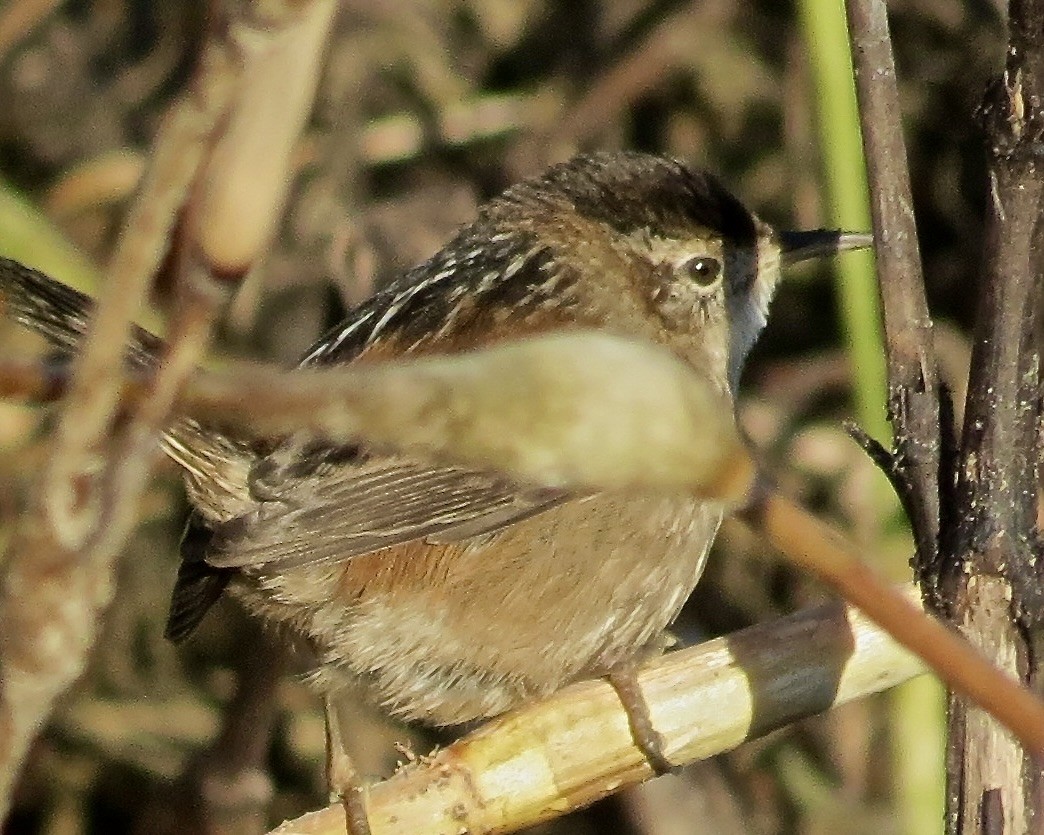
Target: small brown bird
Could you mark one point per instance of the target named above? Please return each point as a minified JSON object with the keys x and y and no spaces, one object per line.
{"x":449,"y":594}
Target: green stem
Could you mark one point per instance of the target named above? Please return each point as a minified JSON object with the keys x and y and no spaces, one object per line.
{"x":826,"y":33}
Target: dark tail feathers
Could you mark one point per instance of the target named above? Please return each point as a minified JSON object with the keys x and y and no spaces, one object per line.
{"x":61,"y":314}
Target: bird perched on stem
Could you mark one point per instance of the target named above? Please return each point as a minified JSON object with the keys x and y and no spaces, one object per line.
{"x":452,"y":594}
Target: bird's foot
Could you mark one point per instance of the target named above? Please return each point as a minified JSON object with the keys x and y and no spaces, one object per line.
{"x":343,"y":778}
{"x":624,"y":680}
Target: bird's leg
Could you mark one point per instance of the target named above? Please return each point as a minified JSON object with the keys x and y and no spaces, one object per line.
{"x":624,"y":679}
{"x":342,"y":776}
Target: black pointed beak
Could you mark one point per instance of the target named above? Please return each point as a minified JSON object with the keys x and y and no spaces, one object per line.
{"x":818,"y":243}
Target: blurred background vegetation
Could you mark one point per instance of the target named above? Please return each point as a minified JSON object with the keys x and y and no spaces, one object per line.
{"x":426,"y":108}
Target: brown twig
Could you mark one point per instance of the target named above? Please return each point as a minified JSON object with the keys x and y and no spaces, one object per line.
{"x":809,"y":543}
{"x":998,"y":483}
{"x":581,"y":408}
{"x":913,"y":385}
{"x":91,"y":404}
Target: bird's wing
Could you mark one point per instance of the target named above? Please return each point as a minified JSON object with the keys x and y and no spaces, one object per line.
{"x":344,"y":509}
{"x":317,"y":503}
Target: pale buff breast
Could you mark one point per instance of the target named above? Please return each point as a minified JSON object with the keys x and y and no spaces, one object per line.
{"x":474,"y":628}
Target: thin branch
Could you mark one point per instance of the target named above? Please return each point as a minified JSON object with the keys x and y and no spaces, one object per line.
{"x":85,"y":421}
{"x":913,"y":385}
{"x":57,"y":579}
{"x":581,"y":409}
{"x":812,"y":545}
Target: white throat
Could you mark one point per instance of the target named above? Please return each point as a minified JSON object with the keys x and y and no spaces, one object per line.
{"x":748,"y":312}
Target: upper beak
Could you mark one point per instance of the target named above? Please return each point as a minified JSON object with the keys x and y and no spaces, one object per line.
{"x":817,"y":243}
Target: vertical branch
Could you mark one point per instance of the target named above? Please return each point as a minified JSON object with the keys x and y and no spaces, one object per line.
{"x":992,"y":572}
{"x":998,"y":477}
{"x":913,"y":385}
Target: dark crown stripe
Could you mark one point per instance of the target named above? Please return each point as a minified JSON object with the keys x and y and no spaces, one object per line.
{"x":630,"y":191}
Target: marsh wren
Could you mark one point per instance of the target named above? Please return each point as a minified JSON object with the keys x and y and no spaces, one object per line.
{"x":451,"y":595}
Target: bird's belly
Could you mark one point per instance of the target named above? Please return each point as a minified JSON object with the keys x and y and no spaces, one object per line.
{"x":448,"y":633}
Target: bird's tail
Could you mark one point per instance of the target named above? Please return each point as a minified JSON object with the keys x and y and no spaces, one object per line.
{"x":61,"y":314}
{"x":215,"y":467}
{"x":214,"y":464}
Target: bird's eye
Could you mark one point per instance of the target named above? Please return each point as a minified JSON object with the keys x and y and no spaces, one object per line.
{"x":703,"y":270}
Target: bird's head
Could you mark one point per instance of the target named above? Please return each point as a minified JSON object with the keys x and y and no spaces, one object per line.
{"x":705,"y":264}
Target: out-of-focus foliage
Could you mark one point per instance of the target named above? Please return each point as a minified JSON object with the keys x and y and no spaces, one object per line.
{"x":426,"y":108}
